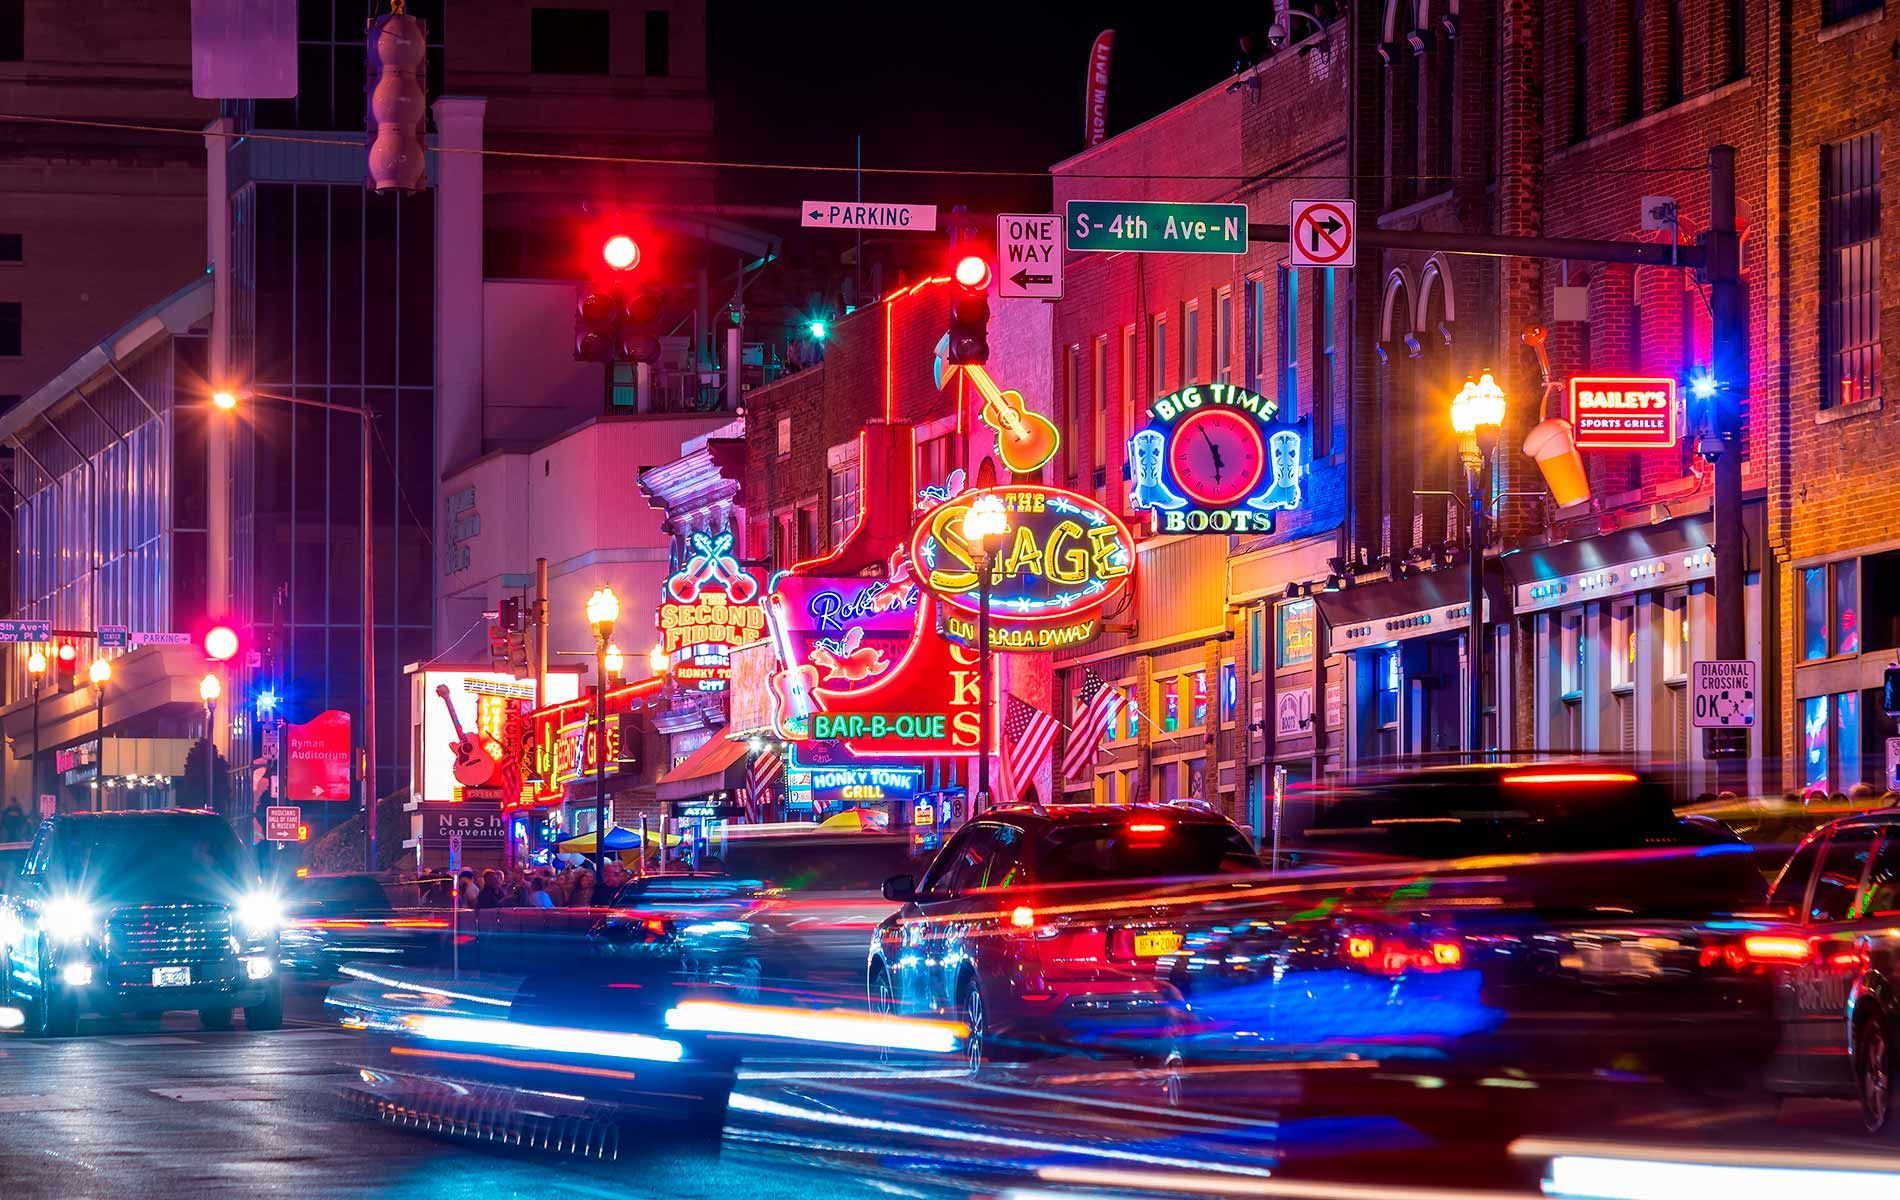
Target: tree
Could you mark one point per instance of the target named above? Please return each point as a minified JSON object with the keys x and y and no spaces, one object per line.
{"x":190,"y":789}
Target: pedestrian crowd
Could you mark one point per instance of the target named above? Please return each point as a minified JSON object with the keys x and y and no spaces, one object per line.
{"x":538,"y":887}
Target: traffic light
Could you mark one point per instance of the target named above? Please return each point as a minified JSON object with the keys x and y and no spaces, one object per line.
{"x":66,"y":662}
{"x":969,"y":311}
{"x":509,"y":617}
{"x":618,"y":318}
{"x":221,"y":643}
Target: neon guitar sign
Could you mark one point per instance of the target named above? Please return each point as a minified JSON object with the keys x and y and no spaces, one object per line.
{"x":1025,"y":440}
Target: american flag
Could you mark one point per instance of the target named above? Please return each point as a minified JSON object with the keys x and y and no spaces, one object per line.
{"x":1028,"y":734}
{"x":1095,"y":707}
{"x":764,"y":770}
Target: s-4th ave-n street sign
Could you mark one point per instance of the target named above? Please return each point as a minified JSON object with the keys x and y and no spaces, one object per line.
{"x":1156,"y":227}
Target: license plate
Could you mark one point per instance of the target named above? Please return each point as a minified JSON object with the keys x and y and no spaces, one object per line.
{"x":171,"y":976}
{"x":1615,"y":960}
{"x":1152,"y":945}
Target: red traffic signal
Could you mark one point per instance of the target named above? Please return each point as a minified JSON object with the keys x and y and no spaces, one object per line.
{"x":67,"y":661}
{"x":969,"y":311}
{"x":972,"y":271}
{"x":620,"y":252}
{"x":221,"y":643}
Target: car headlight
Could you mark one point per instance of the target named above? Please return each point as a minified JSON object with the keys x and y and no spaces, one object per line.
{"x":67,"y":918}
{"x":260,"y":913}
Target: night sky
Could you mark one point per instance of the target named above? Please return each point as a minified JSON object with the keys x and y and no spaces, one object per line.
{"x":958,"y":85}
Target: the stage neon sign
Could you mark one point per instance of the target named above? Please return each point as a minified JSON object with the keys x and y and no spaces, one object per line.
{"x":1062,"y":560}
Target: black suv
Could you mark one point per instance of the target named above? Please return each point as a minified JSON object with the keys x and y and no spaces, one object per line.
{"x":138,"y":912}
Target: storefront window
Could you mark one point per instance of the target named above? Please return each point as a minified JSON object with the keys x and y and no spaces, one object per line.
{"x":1133,"y":711}
{"x":1676,"y":635}
{"x":1570,"y":647}
{"x":1622,"y":644}
{"x":1199,"y":679}
{"x":1229,"y":691}
{"x":1294,"y":631}
{"x":1814,"y":742}
{"x":1814,"y":613}
{"x":1847,"y":737}
{"x":1846,"y":616}
{"x":1256,"y":639}
{"x":1170,"y":714}
{"x":1391,"y":678}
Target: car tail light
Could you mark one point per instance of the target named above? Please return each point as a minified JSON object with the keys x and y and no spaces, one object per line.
{"x":1768,"y":947}
{"x":1022,"y":917}
{"x":1397,"y":955}
{"x":1360,"y":949}
{"x":1448,"y":954}
{"x":1148,"y":827}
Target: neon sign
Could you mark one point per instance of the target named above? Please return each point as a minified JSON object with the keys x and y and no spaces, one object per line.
{"x":709,"y":606}
{"x":864,"y":785}
{"x":1624,"y":413}
{"x":1214,"y":458}
{"x":1064,"y":558}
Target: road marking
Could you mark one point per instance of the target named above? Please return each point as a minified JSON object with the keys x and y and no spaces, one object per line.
{"x":197,"y":1095}
{"x":35,"y":1103}
{"x":158,"y":1040}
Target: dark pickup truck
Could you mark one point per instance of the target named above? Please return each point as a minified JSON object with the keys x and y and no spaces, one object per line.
{"x":138,"y":912}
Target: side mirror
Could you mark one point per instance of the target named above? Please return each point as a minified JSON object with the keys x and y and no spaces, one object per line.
{"x":900,"y":888}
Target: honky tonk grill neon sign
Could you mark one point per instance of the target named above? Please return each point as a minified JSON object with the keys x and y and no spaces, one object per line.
{"x":1063,"y":558}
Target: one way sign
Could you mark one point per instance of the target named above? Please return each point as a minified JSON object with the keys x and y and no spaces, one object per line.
{"x":1029,"y":249}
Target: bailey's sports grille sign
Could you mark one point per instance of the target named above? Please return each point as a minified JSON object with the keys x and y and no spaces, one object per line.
{"x":1615,"y":412}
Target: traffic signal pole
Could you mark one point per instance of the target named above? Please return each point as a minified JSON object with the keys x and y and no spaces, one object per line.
{"x":1718,"y":256}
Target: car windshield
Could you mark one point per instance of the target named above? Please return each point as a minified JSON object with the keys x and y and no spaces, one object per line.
{"x":1129,"y":850}
{"x":142,"y":859}
{"x":859,"y":862}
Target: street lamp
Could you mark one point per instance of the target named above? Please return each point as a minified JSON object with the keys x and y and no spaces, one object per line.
{"x":1477,"y":414}
{"x":227,"y":400}
{"x":603,"y":609}
{"x":984,"y":524}
{"x":36,"y":667}
{"x":100,"y":673}
{"x":615,"y":661}
{"x":657,"y":661}
{"x":209,"y":689}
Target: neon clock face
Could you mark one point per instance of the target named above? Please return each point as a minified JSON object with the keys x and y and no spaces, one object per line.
{"x":1217,"y":455}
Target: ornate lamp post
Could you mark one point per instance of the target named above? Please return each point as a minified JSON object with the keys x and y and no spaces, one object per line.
{"x":603,"y":609}
{"x":209,"y":689}
{"x":984,"y":525}
{"x":1477,"y":414}
{"x":100,"y":673}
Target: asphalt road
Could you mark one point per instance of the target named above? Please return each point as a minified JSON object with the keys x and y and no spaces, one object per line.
{"x":164,"y":1109}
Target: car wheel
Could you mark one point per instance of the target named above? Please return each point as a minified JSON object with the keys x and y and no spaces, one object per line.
{"x":1874,"y":1073}
{"x":51,"y":1015}
{"x":216,"y":1018}
{"x":970,"y":1011}
{"x":267,"y":1014}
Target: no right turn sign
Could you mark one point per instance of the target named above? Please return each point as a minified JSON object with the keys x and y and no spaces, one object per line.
{"x":1322,"y":233}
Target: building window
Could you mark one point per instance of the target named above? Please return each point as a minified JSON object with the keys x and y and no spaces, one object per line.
{"x":1158,"y":357}
{"x":1229,"y":691}
{"x":1623,"y":644}
{"x":1132,"y":712}
{"x":1289,"y":366}
{"x":1071,"y":408}
{"x":659,"y":44}
{"x":1256,"y":315}
{"x":1224,"y":335}
{"x":1830,"y":610}
{"x":807,"y":540}
{"x":784,"y":436}
{"x":1735,"y":29}
{"x":1676,"y":635}
{"x":1672,"y":50}
{"x":13,"y":31}
{"x":1325,"y":343}
{"x":1170,"y":706}
{"x":1850,"y":271}
{"x":1579,"y":70}
{"x":12,"y":248}
{"x":1570,"y":650}
{"x":1190,"y":342}
{"x":11,"y":319}
{"x":1256,"y":640}
{"x":1831,"y":758}
{"x":784,"y":550}
{"x":1197,"y":683}
{"x":1098,"y":416}
{"x":1842,"y":10}
{"x":933,"y":461}
{"x":842,"y":502}
{"x":1128,"y":380}
{"x":568,"y":41}
{"x":1638,"y":73}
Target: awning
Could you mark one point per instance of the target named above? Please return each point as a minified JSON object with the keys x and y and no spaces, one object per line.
{"x":717,"y":766}
{"x":1430,"y":602}
{"x":1681,"y":535}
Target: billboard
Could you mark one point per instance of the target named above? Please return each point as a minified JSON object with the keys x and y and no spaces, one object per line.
{"x":470,"y":730}
{"x":317,"y":759}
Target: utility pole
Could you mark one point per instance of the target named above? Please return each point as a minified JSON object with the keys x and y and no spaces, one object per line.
{"x":1728,"y":305}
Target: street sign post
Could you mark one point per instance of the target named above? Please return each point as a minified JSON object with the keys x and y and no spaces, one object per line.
{"x":1029,"y":256}
{"x":26,"y":631}
{"x":1722,"y":694}
{"x":1322,"y":233}
{"x":848,"y":214}
{"x":1156,"y":227}
{"x":281,"y":821}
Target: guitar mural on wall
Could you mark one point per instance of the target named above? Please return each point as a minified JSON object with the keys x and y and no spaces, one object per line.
{"x":475,"y":761}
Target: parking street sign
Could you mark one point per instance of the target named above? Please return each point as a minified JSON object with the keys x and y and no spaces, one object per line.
{"x":26,"y":631}
{"x":1156,"y":227}
{"x":1029,"y":256}
{"x":1722,"y":694}
{"x":281,"y":821}
{"x":846,"y":214}
{"x":142,"y":637}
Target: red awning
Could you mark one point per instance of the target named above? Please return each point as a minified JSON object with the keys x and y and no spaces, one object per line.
{"x":717,"y":766}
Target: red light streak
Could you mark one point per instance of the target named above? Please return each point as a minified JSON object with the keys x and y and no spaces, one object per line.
{"x":1553,"y":777}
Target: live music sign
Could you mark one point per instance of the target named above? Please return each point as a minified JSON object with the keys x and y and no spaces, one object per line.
{"x":1616,"y":412}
